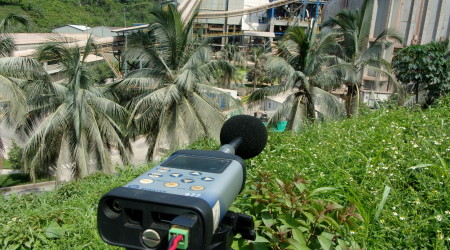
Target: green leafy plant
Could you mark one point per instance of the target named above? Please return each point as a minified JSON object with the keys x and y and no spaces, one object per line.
{"x":425,"y":69}
{"x":289,"y":215}
{"x":15,"y":156}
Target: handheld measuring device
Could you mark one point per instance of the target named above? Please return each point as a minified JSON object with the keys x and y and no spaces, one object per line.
{"x":189,"y":193}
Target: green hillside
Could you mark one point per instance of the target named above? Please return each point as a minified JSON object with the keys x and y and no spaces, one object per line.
{"x":377,"y":182}
{"x":47,"y":14}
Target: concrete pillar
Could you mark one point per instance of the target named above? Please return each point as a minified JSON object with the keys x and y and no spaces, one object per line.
{"x":430,"y":18}
{"x":414,"y":21}
{"x":442,"y":27}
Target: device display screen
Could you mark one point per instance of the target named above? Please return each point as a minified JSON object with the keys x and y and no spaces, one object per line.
{"x":206,"y":164}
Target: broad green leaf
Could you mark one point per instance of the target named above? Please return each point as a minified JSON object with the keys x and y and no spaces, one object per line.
{"x":322,"y":190}
{"x":300,"y":186}
{"x":294,"y":244}
{"x":342,"y":245}
{"x":380,"y":206}
{"x":298,"y":236}
{"x":335,"y":225}
{"x":288,"y":220}
{"x":260,"y":246}
{"x":54,"y":230}
{"x":325,"y":243}
{"x":267,"y":219}
{"x":260,"y":239}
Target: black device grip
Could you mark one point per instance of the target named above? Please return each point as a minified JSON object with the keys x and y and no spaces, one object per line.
{"x":121,"y":228}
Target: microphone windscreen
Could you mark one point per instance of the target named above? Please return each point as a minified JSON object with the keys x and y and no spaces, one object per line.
{"x":250,"y":129}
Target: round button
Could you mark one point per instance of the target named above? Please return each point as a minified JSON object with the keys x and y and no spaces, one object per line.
{"x":197,"y":188}
{"x":187,"y":180}
{"x":208,"y":179}
{"x":171,"y":184}
{"x":176,"y":175}
{"x":146,"y":181}
{"x":195,"y":173}
{"x":163,"y":170}
{"x":155,"y":175}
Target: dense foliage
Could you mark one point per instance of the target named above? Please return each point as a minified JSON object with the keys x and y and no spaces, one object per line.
{"x":48,"y":14}
{"x":381,"y":181}
{"x":424,"y":68}
{"x":171,"y":95}
{"x":15,"y":156}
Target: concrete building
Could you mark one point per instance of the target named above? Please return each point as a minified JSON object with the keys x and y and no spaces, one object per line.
{"x":417,"y":21}
{"x":253,"y":22}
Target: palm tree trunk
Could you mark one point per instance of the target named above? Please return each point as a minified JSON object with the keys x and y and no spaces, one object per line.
{"x":310,"y":109}
{"x":254,"y":81}
{"x":417,"y":92}
{"x":227,"y":81}
{"x":352,"y":100}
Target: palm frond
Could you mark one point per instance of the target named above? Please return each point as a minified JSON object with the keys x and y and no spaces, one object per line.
{"x":261,"y":94}
{"x":12,"y":96}
{"x":22,"y":67}
{"x":327,"y":105}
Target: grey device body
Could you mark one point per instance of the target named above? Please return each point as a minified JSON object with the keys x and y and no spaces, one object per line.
{"x":213,"y":176}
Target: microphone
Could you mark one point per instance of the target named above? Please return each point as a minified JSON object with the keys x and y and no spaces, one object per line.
{"x":188,"y":194}
{"x":252,"y":132}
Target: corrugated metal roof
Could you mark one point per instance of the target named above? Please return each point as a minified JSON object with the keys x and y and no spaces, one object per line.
{"x":79,"y":27}
{"x":138,"y":27}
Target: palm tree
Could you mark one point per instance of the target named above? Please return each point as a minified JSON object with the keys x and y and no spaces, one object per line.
{"x":74,"y":119}
{"x":9,"y":24}
{"x":12,"y":99}
{"x":173,"y":105}
{"x":233,"y":55}
{"x":258,"y":56}
{"x":300,"y":62}
{"x":357,"y":54}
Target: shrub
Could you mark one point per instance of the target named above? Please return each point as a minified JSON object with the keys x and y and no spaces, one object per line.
{"x":15,"y":156}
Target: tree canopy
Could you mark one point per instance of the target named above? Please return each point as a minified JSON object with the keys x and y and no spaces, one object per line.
{"x":424,"y":69}
{"x":171,"y":102}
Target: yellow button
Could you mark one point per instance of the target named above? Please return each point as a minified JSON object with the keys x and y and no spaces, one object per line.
{"x":146,"y":181}
{"x":197,"y":188}
{"x":171,"y":184}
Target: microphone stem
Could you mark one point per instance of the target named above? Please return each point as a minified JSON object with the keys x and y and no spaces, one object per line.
{"x":231,"y":147}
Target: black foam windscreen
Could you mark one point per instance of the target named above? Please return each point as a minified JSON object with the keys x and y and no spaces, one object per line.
{"x":250,"y":129}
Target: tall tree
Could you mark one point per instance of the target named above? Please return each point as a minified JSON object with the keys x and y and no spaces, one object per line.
{"x":357,"y":53}
{"x":233,"y":55}
{"x":300,"y":61}
{"x":12,"y":99}
{"x":424,"y":69}
{"x":173,"y":105}
{"x":7,"y":25}
{"x":74,"y":118}
{"x":258,"y":57}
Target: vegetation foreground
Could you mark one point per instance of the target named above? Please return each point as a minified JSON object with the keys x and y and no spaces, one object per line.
{"x":379,"y":182}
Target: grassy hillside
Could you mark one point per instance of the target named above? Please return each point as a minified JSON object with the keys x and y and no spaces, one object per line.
{"x":379,"y":181}
{"x":47,"y":14}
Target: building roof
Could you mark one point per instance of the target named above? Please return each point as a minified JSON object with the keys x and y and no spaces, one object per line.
{"x":137,"y":27}
{"x":40,"y":38}
{"x":79,"y":27}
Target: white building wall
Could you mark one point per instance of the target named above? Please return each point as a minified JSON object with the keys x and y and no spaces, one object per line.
{"x":220,"y":5}
{"x":430,"y":17}
{"x":443,"y":27}
{"x":252,"y":21}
